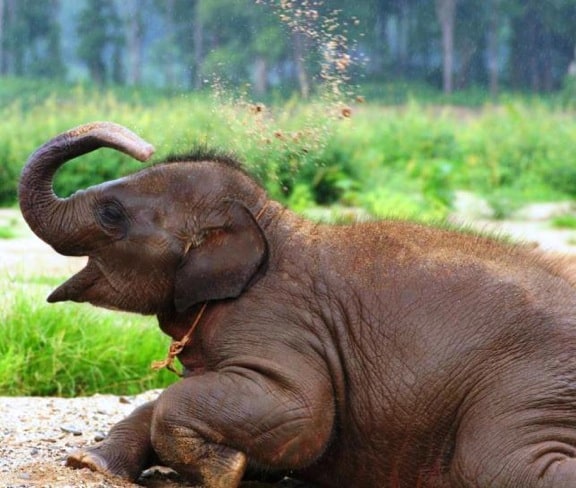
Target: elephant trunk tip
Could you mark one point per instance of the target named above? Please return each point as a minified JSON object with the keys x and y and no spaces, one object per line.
{"x":115,"y":136}
{"x":145,"y":152}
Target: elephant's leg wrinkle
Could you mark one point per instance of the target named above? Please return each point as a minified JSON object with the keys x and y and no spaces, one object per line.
{"x":559,"y":471}
{"x":495,"y":454}
{"x":209,"y":427}
{"x":552,"y":470}
{"x":126,"y":451}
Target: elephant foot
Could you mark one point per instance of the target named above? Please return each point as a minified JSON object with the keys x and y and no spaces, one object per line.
{"x":226,"y":470}
{"x":221,"y":470}
{"x":125,"y":452}
{"x":82,"y":459}
{"x":94,"y":460}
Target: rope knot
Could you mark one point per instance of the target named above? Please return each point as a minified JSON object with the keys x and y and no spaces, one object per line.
{"x":176,"y":347}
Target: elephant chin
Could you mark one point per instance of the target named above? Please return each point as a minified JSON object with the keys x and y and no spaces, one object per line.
{"x":77,"y":288}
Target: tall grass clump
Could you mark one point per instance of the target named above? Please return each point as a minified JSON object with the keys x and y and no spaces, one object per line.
{"x":404,"y":161}
{"x":518,"y":153}
{"x":72,"y":350}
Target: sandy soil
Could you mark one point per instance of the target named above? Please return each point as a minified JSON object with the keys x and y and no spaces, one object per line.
{"x":37,"y":433}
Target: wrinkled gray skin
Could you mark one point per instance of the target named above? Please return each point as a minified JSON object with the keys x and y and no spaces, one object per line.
{"x":385,"y":354}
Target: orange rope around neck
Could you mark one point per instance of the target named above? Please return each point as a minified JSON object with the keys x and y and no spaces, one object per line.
{"x":176,"y":347}
{"x":262,"y":210}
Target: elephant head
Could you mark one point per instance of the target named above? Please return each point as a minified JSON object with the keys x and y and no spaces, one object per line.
{"x":165,"y":238}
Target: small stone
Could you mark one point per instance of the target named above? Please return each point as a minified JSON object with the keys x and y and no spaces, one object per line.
{"x":99,"y":436}
{"x":70,"y":429}
{"x":160,"y":473}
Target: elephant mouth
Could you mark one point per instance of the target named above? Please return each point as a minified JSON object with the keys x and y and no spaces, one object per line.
{"x":76,"y":289}
{"x":86,"y":286}
{"x":93,"y":285}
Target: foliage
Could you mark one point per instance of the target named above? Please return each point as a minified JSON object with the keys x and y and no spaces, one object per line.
{"x":566,"y":221}
{"x":98,"y":29}
{"x":7,"y":232}
{"x":243,"y":34}
{"x":69,"y":351}
{"x":308,"y":154}
{"x":30,"y":39}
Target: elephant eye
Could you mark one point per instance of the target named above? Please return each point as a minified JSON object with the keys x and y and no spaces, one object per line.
{"x":111,"y":215}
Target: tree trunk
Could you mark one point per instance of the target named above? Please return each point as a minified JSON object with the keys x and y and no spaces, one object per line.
{"x":198,"y":35}
{"x":302,"y":75}
{"x":170,"y":71}
{"x":545,"y":68}
{"x":531,"y":54}
{"x":56,"y":68}
{"x":260,"y":76}
{"x":11,"y":48}
{"x":446,"y":12}
{"x":135,"y":40}
{"x":2,"y":35}
{"x":492,"y":48}
{"x":572,"y":66}
{"x":466,"y":51}
{"x":403,"y":36}
{"x":378,"y":59}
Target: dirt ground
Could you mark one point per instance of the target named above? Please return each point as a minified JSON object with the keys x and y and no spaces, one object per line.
{"x":37,"y":433}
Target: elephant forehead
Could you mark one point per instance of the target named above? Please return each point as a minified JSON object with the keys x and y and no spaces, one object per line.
{"x":137,"y":187}
{"x":174,"y":180}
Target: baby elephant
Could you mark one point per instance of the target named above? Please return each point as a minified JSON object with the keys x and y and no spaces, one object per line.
{"x":385,"y":354}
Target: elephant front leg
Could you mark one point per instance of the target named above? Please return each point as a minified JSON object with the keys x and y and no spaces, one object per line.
{"x":126,"y":451}
{"x":208,"y":428}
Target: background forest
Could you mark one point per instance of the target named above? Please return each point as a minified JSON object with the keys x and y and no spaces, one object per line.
{"x":344,"y":110}
{"x":454,"y":44}
{"x":387,"y":105}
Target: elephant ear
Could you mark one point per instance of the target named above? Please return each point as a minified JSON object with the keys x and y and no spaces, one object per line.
{"x":222,"y":266}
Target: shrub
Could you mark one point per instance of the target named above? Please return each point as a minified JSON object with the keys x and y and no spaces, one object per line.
{"x":494,"y":150}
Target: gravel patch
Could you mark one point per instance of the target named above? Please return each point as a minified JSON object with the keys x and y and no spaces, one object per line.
{"x":38,"y":433}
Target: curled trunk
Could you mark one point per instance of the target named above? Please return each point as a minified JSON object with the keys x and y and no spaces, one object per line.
{"x":62,"y":222}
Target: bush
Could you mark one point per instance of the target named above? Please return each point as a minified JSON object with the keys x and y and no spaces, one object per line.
{"x":306,"y":154}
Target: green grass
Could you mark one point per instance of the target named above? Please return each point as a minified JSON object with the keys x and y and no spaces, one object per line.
{"x":70,"y":350}
{"x":7,"y":232}
{"x":567,"y":221}
{"x":10,"y":227}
